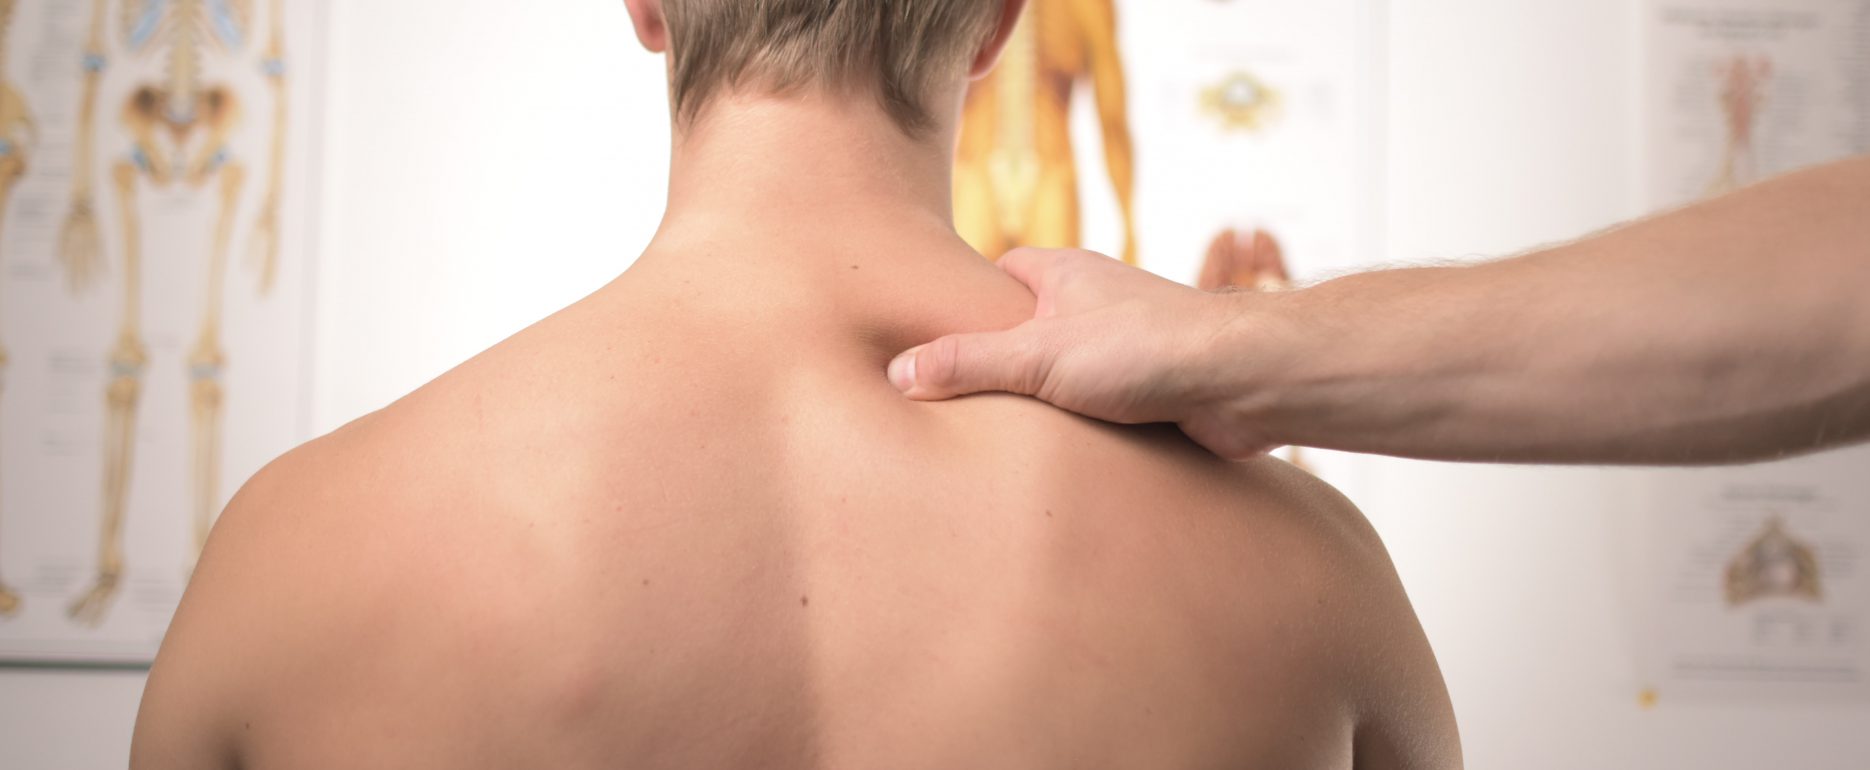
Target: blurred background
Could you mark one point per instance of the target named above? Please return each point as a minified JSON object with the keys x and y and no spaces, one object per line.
{"x":454,"y":170}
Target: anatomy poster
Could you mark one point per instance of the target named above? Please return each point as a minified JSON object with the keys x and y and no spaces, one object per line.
{"x":1103,"y":115}
{"x":1756,"y":581}
{"x":1258,"y":126}
{"x":1259,"y":118}
{"x":157,"y":169}
{"x":1224,"y":144}
{"x":1741,"y":90}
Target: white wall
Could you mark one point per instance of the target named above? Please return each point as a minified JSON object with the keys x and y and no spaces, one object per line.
{"x":490,"y":161}
{"x":1514,"y":123}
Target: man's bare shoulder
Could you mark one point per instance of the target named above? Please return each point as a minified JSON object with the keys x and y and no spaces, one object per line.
{"x":335,"y":534}
{"x":1360,"y":618}
{"x":1181,"y":485}
{"x":1269,"y":577}
{"x":322,"y":555}
{"x":1337,"y":593}
{"x":1234,"y":527}
{"x":301,"y":520}
{"x":255,"y":602}
{"x":466,"y":451}
{"x":341,"y":557}
{"x":1289,"y":582}
{"x":348,"y":506}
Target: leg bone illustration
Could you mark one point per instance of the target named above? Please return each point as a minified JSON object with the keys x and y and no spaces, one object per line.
{"x":128,"y":359}
{"x":17,"y":135}
{"x":181,"y":130}
{"x":264,"y":250}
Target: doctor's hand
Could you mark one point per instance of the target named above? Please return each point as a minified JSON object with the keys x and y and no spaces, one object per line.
{"x":1107,"y":341}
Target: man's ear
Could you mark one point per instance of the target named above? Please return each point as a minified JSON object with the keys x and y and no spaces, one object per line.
{"x":650,"y":27}
{"x":990,"y":53}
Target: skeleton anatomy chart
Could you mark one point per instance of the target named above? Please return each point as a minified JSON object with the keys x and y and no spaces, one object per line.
{"x":17,"y":134}
{"x":154,"y":281}
{"x":1740,"y":90}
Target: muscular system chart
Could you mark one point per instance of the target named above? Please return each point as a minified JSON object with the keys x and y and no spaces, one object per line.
{"x":1740,"y":90}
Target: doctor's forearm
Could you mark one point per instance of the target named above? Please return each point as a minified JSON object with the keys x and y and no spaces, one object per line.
{"x":1733,"y":330}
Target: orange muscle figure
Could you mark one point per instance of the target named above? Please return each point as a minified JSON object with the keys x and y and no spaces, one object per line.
{"x":1016,"y":182}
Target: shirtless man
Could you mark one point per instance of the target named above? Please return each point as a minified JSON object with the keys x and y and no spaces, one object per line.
{"x":687,"y":523}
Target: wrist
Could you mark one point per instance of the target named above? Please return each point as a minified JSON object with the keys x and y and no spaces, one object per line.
{"x":1238,"y":372}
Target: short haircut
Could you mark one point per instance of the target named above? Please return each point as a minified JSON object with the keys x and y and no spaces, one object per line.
{"x":901,"y":46}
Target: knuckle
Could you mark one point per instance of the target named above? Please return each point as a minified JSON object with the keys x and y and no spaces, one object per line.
{"x":1036,"y":372}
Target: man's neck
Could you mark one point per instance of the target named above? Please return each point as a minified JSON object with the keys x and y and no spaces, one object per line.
{"x":825,"y":212}
{"x":778,"y":164}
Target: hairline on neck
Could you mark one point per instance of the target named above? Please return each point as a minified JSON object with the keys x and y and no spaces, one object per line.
{"x":927,"y":122}
{"x":841,"y":150}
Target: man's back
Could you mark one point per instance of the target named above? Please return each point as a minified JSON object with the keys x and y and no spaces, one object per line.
{"x":687,"y":523}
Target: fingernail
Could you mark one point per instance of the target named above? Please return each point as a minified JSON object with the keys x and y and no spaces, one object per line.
{"x":903,"y":371}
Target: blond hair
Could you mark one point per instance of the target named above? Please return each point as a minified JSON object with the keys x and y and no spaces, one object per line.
{"x":900,"y":46}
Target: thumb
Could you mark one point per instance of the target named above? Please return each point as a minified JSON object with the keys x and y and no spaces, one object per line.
{"x":1011,"y":361}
